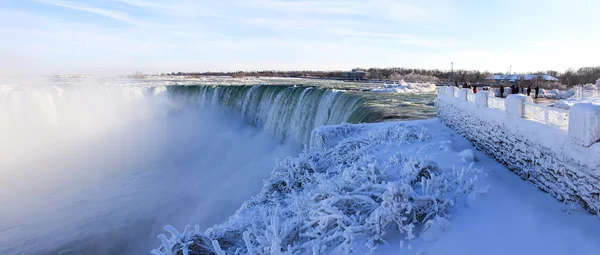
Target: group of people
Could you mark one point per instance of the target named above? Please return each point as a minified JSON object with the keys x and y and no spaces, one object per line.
{"x":520,"y":90}
{"x":513,"y":89}
{"x":466,"y":85}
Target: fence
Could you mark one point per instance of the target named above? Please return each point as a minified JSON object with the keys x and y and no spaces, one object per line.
{"x":549,"y":115}
{"x":497,"y":103}
{"x":584,"y":117}
{"x":581,"y":92}
{"x":471,"y":97}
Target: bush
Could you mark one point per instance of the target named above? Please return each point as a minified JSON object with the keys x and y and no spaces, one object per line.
{"x":328,"y":198}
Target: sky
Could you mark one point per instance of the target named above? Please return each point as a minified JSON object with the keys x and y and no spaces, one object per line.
{"x":124,"y":36}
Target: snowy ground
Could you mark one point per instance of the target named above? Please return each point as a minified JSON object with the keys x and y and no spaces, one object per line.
{"x":514,"y":217}
{"x":405,"y":87}
{"x":356,"y":189}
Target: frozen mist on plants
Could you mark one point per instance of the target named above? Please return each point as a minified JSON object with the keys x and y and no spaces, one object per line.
{"x":349,"y":189}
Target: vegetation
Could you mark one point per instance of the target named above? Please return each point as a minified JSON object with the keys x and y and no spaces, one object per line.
{"x":570,"y":77}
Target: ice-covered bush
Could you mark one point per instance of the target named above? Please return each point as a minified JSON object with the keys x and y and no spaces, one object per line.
{"x":335,"y":196}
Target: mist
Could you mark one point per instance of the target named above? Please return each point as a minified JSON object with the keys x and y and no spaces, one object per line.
{"x":100,"y":170}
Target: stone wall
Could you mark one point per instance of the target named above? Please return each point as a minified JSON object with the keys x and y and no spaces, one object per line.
{"x":541,"y":154}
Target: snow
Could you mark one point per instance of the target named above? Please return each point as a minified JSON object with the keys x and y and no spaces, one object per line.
{"x":559,"y":165}
{"x":353,"y":187}
{"x":406,"y":87}
{"x":514,"y":104}
{"x":358,"y":187}
{"x":467,"y":156}
{"x":556,"y":94}
{"x":584,"y":123}
{"x":584,"y":94}
{"x":568,"y":103}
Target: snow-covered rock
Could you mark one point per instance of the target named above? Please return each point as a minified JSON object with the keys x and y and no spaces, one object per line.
{"x":468,"y":156}
{"x":405,"y":87}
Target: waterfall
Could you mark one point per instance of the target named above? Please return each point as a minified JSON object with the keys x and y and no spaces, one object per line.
{"x":288,"y":112}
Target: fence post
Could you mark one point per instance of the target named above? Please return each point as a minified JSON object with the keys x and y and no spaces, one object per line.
{"x":514,"y":105}
{"x":462,"y":94}
{"x":455,"y":91}
{"x":481,"y":98}
{"x":584,"y":124}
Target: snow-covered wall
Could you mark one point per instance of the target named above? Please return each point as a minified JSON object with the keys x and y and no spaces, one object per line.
{"x":557,"y":159}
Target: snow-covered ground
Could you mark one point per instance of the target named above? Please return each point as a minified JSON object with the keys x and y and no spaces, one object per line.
{"x":405,"y":87}
{"x":412,"y":187}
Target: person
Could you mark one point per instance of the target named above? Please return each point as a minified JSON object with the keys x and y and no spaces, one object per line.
{"x":513,"y":89}
{"x":456,"y":83}
{"x":466,"y":85}
{"x":537,"y":91}
{"x":529,"y":90}
{"x":501,"y":91}
{"x":474,"y":89}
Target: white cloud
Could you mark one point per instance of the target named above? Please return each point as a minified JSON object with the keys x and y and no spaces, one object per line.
{"x":113,"y":14}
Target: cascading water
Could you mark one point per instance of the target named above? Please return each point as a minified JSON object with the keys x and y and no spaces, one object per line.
{"x":288,"y":112}
{"x":101,"y":169}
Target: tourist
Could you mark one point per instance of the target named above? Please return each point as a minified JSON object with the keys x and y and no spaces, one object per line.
{"x":537,"y":91}
{"x":474,"y":89}
{"x":466,"y":85}
{"x":456,"y":83}
{"x":529,"y":91}
{"x":513,"y":89}
{"x":501,"y":91}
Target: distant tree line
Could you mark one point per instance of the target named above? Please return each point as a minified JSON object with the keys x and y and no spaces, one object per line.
{"x":570,"y":77}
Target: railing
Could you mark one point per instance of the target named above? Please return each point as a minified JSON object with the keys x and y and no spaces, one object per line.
{"x":471,"y":97}
{"x":589,"y":93}
{"x":497,"y":103}
{"x":520,"y":106}
{"x":549,"y":115}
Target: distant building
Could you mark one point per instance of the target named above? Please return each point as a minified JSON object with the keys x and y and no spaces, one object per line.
{"x":354,"y":75}
{"x":514,"y":78}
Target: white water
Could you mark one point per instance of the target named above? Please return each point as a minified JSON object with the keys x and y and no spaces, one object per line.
{"x":100,"y":170}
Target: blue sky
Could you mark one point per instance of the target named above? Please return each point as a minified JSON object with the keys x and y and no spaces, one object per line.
{"x":106,"y":36}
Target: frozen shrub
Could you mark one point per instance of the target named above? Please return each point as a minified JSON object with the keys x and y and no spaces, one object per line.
{"x":330,"y":197}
